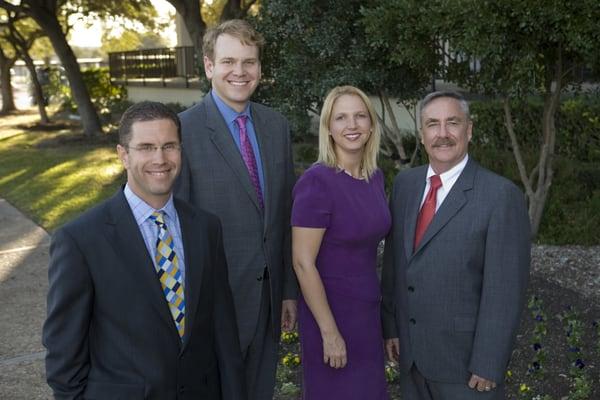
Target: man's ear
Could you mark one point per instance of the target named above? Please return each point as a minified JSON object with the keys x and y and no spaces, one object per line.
{"x":123,"y":156}
{"x":209,"y":65}
{"x":470,"y":130}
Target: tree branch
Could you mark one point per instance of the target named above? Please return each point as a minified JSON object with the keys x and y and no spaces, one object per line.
{"x":396,"y":128}
{"x":10,"y":7}
{"x":508,"y":123}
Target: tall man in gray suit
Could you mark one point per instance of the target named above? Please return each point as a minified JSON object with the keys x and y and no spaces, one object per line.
{"x":139,"y":306}
{"x":456,"y":265}
{"x":238,"y":165}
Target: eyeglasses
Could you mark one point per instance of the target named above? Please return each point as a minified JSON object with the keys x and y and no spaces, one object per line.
{"x":147,"y":149}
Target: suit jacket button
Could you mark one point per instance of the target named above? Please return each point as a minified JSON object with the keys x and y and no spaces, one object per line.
{"x":411,"y":289}
{"x":259,"y":278}
{"x":181,"y":389}
{"x":412,"y":321}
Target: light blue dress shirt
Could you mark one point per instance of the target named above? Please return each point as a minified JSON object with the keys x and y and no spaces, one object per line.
{"x":229,"y":114}
{"x":142,"y":211}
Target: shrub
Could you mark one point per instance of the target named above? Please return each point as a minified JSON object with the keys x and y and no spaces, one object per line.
{"x":103,"y":94}
{"x":572,"y":213}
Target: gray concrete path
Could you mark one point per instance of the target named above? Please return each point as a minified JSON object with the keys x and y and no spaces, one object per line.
{"x":23,"y":286}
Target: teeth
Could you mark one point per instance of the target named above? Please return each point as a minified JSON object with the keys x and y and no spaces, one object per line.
{"x":238,"y":83}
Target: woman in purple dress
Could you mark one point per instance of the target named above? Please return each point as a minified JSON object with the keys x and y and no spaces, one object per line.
{"x":339,"y":216}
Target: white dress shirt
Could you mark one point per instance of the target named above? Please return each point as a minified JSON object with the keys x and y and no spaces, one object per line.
{"x":448,"y":178}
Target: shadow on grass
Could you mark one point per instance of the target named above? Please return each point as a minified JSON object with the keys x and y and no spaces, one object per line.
{"x":53,"y":185}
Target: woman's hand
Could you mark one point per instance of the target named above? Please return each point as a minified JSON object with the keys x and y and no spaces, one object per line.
{"x":334,"y":350}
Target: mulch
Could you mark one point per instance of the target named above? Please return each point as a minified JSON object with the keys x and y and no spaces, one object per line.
{"x":563,"y":278}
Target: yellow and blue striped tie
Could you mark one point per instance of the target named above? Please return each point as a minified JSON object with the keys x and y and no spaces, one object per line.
{"x":167,"y":268}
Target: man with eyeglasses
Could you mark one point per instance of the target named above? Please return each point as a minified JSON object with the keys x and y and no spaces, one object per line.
{"x":139,"y":304}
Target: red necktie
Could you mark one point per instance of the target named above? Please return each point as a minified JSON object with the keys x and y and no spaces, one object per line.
{"x":428,"y":208}
{"x":249,"y":159}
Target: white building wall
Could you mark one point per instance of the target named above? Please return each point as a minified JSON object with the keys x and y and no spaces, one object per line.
{"x":183,"y":96}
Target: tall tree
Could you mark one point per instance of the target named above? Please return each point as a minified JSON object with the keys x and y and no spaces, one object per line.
{"x":7,"y":60}
{"x":314,"y":46}
{"x":21,"y":33}
{"x":50,"y":13}
{"x":509,"y":49}
{"x":189,"y":10}
{"x":46,"y":14}
{"x":191,"y":13}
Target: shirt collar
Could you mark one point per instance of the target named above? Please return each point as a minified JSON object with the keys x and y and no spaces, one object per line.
{"x":227,"y":112}
{"x":451,"y":174}
{"x":142,"y":210}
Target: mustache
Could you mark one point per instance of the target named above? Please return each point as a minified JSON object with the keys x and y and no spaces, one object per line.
{"x":444,"y":142}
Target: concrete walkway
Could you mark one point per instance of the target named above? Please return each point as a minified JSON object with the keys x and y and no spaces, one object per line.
{"x":23,"y":286}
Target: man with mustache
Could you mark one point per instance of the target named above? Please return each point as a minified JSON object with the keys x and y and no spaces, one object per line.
{"x":456,"y":265}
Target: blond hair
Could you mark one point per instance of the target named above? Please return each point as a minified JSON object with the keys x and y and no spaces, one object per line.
{"x":327,"y":154}
{"x":237,"y":28}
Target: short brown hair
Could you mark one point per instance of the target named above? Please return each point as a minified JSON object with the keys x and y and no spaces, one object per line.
{"x":145,"y":111}
{"x":237,"y":28}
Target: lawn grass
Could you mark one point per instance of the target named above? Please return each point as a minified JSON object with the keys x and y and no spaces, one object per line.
{"x":51,"y":178}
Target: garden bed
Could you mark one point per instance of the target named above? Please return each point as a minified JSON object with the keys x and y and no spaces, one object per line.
{"x":558,"y":346}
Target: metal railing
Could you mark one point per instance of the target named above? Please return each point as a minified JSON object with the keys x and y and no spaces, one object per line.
{"x":151,"y":66}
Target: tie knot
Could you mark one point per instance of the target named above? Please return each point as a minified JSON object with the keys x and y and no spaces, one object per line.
{"x":158,"y":217}
{"x":435,"y":181}
{"x":241,"y":121}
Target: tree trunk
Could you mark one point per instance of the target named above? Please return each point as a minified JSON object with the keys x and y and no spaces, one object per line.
{"x":537,"y":183}
{"x":37,"y":87}
{"x":393,"y":132}
{"x":232,"y":10}
{"x":49,"y":23}
{"x":192,"y":18}
{"x":8,"y":99}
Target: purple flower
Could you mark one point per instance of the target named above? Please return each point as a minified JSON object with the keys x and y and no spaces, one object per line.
{"x":579,"y":364}
{"x":537,"y":346}
{"x":539,"y":318}
{"x":536,"y":365}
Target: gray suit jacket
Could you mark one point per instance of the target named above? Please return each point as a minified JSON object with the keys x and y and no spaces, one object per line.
{"x":455,"y":302}
{"x":214,"y":177}
{"x":109,"y":332}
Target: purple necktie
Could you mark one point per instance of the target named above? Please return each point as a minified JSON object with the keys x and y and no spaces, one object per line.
{"x":248,"y":156}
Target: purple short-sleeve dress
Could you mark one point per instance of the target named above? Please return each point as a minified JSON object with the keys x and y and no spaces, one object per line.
{"x":356,"y":217}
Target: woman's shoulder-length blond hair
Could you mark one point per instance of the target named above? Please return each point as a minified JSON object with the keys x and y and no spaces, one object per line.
{"x":327,"y":154}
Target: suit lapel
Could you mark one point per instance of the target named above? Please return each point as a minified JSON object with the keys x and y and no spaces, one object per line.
{"x":412,"y":210}
{"x":261,"y":127}
{"x":221,"y":138}
{"x":124,"y":235}
{"x":195,"y":260}
{"x":454,"y":201}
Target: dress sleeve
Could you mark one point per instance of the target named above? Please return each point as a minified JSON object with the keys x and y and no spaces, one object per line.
{"x":312,"y":204}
